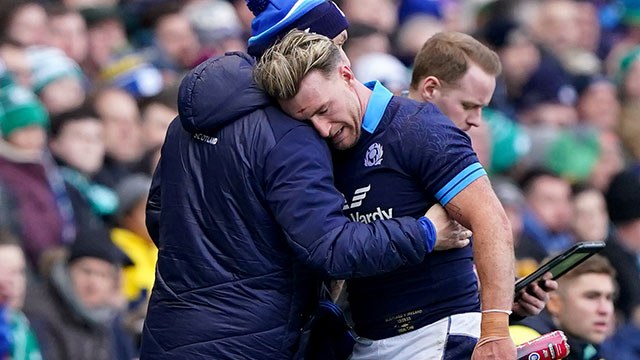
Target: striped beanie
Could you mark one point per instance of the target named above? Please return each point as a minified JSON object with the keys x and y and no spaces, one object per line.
{"x":275,"y":18}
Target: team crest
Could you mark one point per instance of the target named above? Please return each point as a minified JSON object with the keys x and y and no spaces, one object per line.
{"x":374,"y":155}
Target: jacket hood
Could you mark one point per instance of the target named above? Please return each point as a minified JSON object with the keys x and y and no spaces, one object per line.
{"x":218,"y":92}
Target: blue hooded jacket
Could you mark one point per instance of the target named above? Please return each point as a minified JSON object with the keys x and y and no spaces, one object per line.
{"x":246,"y":218}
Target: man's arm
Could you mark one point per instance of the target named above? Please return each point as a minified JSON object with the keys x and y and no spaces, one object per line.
{"x":300,"y":191}
{"x":477,"y":208}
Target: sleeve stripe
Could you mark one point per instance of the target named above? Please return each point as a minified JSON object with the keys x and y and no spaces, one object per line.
{"x":461,"y":181}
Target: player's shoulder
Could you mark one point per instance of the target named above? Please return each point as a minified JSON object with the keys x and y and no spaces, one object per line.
{"x":413,"y":118}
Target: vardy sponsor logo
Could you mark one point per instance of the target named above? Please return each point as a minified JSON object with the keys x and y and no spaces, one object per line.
{"x":379,"y":214}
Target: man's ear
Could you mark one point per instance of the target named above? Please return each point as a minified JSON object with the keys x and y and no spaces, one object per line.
{"x":429,"y":87}
{"x":346,"y":74}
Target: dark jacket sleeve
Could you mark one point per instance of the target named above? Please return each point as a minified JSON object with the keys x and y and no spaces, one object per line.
{"x":300,"y":192}
{"x":152,"y":219}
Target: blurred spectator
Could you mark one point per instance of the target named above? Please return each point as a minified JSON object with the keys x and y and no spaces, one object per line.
{"x":217,"y":26}
{"x":518,"y":55}
{"x":582,"y":307}
{"x":364,"y":39}
{"x":623,"y":250}
{"x":45,"y":215}
{"x":590,"y":218}
{"x":57,"y":79}
{"x":412,"y":34}
{"x":132,"y":238}
{"x":547,"y":218}
{"x":77,"y":139}
{"x":122,"y":133}
{"x":588,"y":26}
{"x":384,"y":17}
{"x":157,"y":113}
{"x":107,"y":37}
{"x":610,"y":160}
{"x":13,"y":283}
{"x":23,"y":22}
{"x":77,"y":143}
{"x":627,"y":23}
{"x":628,"y":78}
{"x":68,"y":32}
{"x":385,"y":68}
{"x":14,"y":57}
{"x":555,"y":26}
{"x":598,"y":103}
{"x":176,"y":44}
{"x":629,"y":130}
{"x":113,"y":61}
{"x":548,"y":97}
{"x":73,"y":312}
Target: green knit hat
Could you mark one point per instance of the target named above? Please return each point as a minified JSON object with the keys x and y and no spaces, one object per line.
{"x":20,"y":108}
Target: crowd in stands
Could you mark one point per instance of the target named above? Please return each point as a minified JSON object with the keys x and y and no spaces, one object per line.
{"x":89,"y":87}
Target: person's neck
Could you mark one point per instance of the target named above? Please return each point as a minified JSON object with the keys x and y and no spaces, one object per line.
{"x":413,"y":95}
{"x":364,"y":94}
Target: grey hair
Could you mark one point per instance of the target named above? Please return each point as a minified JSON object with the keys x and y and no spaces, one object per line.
{"x":283,"y":66}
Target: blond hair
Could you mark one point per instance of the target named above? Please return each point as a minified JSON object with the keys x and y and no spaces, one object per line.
{"x":446,"y":55}
{"x":283,"y":66}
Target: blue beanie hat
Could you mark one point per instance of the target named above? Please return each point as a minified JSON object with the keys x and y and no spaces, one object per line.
{"x":275,"y":18}
{"x":409,"y":8}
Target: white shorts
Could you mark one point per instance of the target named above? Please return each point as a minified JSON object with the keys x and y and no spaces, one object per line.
{"x":451,"y":338}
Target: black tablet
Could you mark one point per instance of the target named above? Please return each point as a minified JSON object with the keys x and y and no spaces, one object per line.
{"x":562,"y":263}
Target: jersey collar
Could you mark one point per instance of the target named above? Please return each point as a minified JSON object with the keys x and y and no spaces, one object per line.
{"x":378,"y":102}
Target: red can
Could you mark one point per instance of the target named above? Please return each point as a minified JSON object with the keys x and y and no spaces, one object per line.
{"x":551,"y":346}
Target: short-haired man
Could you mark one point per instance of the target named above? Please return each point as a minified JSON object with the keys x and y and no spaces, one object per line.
{"x":457,"y":73}
{"x":582,"y":307}
{"x":401,"y":157}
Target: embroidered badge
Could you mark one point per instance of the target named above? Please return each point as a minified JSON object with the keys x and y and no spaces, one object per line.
{"x":374,"y":155}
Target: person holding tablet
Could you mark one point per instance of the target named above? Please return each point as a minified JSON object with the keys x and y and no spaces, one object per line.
{"x":582,"y":307}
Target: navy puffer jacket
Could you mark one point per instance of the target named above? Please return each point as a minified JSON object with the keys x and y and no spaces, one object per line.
{"x":245,"y":216}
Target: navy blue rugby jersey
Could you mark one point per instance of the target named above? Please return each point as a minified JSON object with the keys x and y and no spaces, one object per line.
{"x":409,"y":157}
